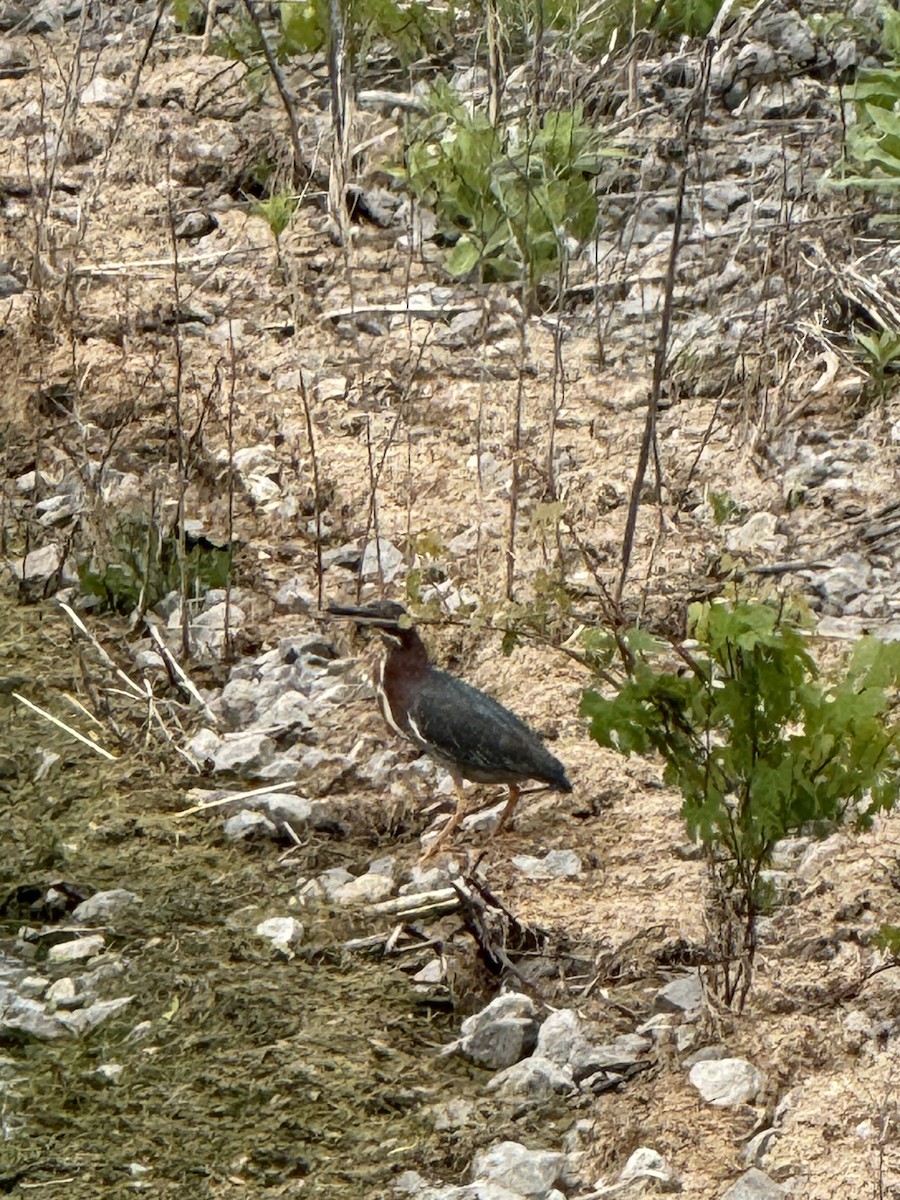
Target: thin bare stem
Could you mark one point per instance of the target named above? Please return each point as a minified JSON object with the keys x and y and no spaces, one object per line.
{"x":299,"y":172}
{"x":692,"y":124}
{"x":42,"y":712}
{"x":317,"y":491}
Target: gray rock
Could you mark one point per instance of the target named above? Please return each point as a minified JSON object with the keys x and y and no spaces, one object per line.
{"x":100,"y":975}
{"x":849,"y":578}
{"x":727,"y":1082}
{"x":660,"y":1027}
{"x":260,"y":458}
{"x":530,"y":1173}
{"x":758,"y":1147}
{"x":432,"y":973}
{"x":86,"y":1019}
{"x":510,"y":1004}
{"x":387,"y":865}
{"x":681,"y":995}
{"x":290,"y":709}
{"x":292,"y":597}
{"x":76,"y":949}
{"x":103,"y":92}
{"x":195,"y":224}
{"x":781,"y":885}
{"x":32,"y":480}
{"x":426,"y":879}
{"x":332,"y":388}
{"x":453,"y":1114}
{"x":556,"y":864}
{"x":246,"y":825}
{"x":43,"y":17}
{"x":787,"y":853}
{"x":244,"y":754}
{"x":32,"y":985}
{"x":534,"y":1078}
{"x":203,"y":745}
{"x":784,"y":99}
{"x":38,"y":565}
{"x":10,"y":285}
{"x":499,"y":1044}
{"x":321,"y":771}
{"x":63,"y":993}
{"x":620,"y":1055}
{"x":237,"y":702}
{"x":200,"y":160}
{"x":411,"y":1183}
{"x":503,"y":1032}
{"x":724,"y":195}
{"x":379,"y":557}
{"x":485,"y":820}
{"x":366,"y":889}
{"x":149,"y":660}
{"x":310,"y":655}
{"x":103,"y":905}
{"x":754,"y":1185}
{"x":819,"y":854}
{"x":757,"y":534}
{"x":284,"y":808}
{"x":349,"y":556}
{"x":324,"y":886}
{"x":283,"y":932}
{"x":560,"y":1035}
{"x":282,"y":768}
{"x":858,"y":1028}
{"x":387,"y":767}
{"x":216,"y":618}
{"x":649,"y":1164}
{"x":786,"y":31}
{"x":57,"y":510}
{"x":20,"y":1015}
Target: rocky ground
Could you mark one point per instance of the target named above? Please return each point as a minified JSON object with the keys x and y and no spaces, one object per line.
{"x":222,"y":970}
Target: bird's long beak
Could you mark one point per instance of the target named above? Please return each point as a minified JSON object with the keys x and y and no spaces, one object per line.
{"x":363,"y":616}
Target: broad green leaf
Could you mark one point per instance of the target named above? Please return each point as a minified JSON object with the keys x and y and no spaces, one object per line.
{"x":463,"y":258}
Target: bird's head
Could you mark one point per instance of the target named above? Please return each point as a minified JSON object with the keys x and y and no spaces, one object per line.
{"x":388,"y":618}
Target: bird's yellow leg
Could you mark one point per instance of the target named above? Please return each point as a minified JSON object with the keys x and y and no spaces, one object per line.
{"x":508,"y":811}
{"x":462,"y":804}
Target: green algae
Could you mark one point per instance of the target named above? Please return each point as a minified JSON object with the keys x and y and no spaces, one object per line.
{"x":236,"y":1072}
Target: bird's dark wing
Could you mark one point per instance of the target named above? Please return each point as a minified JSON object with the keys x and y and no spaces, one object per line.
{"x":474,"y":733}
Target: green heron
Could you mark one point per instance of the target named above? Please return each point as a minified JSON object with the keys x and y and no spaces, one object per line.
{"x":465,"y":730}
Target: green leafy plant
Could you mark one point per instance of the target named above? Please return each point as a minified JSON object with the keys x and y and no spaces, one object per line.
{"x":723,"y":506}
{"x":882,"y":352}
{"x":189,"y":15}
{"x":409,"y":29}
{"x":512,"y":200}
{"x":872,"y":147}
{"x":599,"y":27}
{"x":142,"y":565}
{"x":759,"y":747}
{"x":277,"y":211}
{"x":888,"y":939}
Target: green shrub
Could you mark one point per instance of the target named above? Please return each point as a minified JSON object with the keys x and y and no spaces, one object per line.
{"x":592,"y":27}
{"x":513,"y":201}
{"x":409,"y":29}
{"x":759,"y":747}
{"x":141,"y":565}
